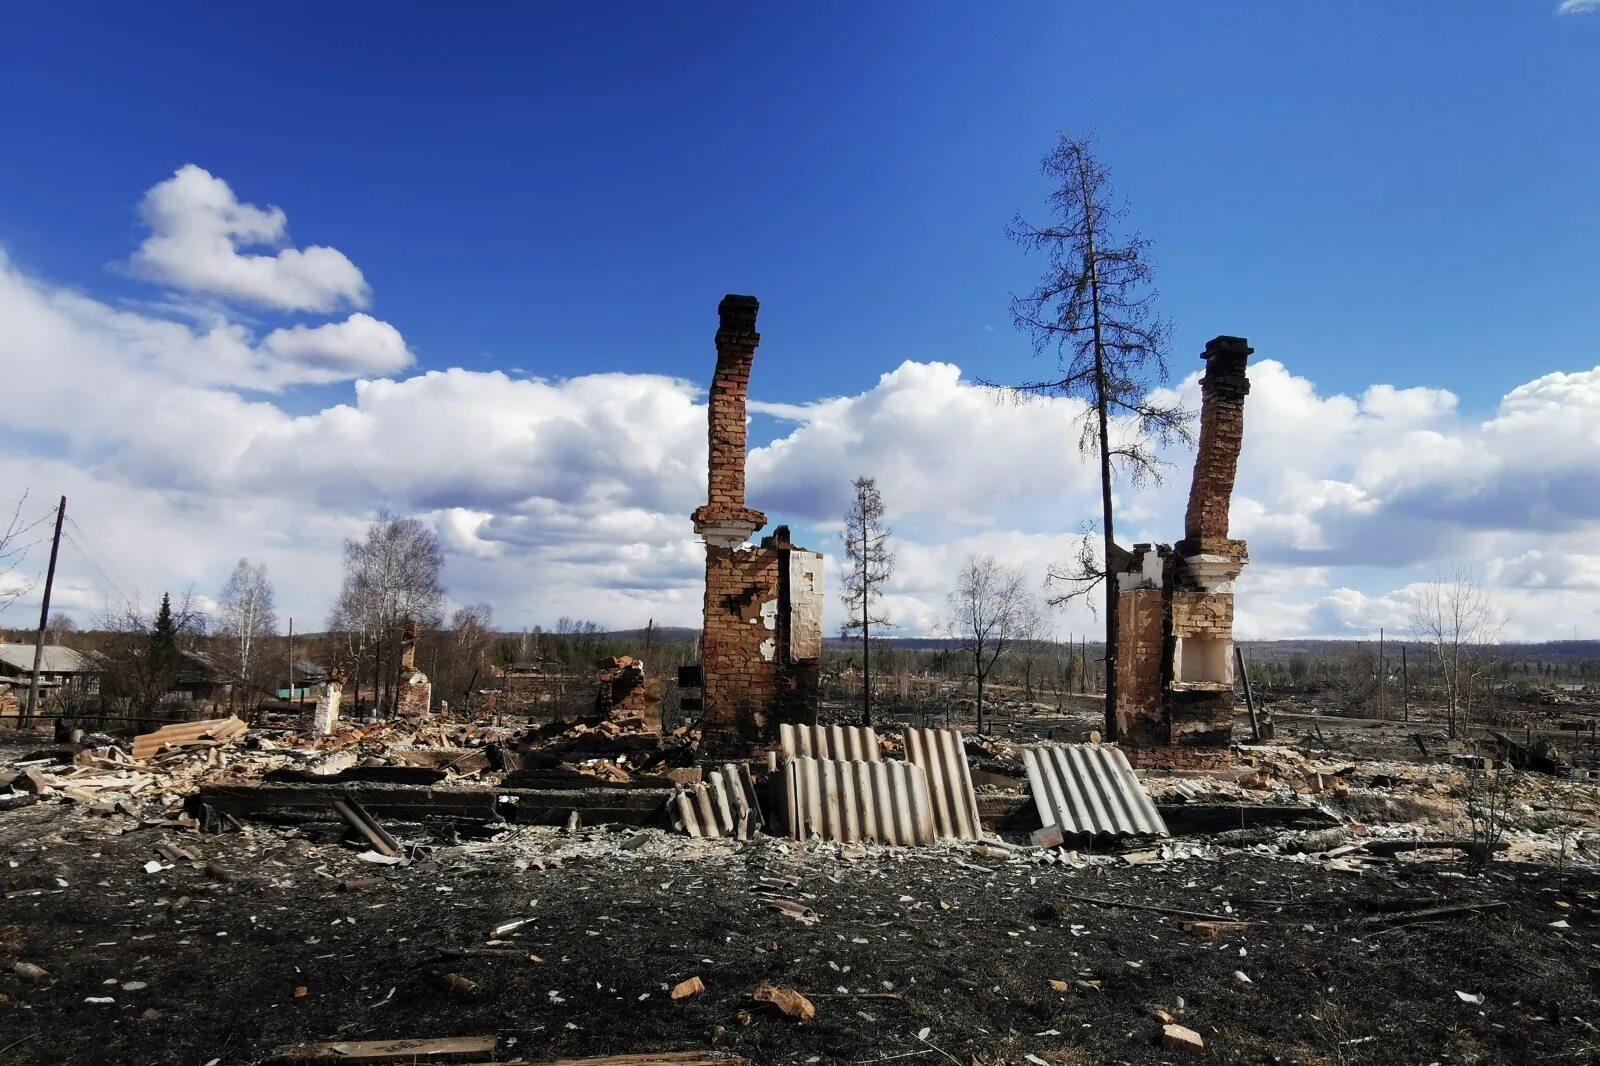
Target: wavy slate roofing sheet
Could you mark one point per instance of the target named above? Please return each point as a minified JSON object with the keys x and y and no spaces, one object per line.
{"x":723,"y":805}
{"x":854,"y":742}
{"x":886,"y":802}
{"x":1090,"y":788}
{"x":943,"y":758}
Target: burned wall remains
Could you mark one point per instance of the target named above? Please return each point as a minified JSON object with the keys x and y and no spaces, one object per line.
{"x":761,"y":646}
{"x":1175,"y":701}
{"x":415,"y":697}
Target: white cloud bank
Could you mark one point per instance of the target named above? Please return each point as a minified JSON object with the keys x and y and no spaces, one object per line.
{"x":571,"y":497}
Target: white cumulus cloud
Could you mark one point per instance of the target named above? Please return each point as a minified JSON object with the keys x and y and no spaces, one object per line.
{"x":198,"y":233}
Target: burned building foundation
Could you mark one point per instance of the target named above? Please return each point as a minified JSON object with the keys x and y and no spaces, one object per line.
{"x":761,"y":648}
{"x":1174,"y":656}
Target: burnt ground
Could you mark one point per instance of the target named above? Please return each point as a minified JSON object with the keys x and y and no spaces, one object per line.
{"x":948,"y":939}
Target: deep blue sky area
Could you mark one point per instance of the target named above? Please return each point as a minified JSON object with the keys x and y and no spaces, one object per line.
{"x":1371,"y":192}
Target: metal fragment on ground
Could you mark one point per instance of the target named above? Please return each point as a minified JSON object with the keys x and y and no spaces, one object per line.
{"x":856,"y":743}
{"x":942,"y":756}
{"x":1090,"y":788}
{"x":886,"y":802}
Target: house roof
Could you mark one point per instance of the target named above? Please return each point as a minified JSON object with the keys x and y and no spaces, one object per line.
{"x":57,"y":659}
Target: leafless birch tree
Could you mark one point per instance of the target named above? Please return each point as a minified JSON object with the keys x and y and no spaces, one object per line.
{"x":1094,"y":309}
{"x":245,"y":618}
{"x":390,"y":575}
{"x":987,"y":614}
{"x":1458,"y":620}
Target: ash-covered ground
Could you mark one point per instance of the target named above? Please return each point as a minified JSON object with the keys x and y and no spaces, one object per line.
{"x":948,"y":954}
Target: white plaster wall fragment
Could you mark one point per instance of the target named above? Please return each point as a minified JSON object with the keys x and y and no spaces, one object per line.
{"x":805,"y":605}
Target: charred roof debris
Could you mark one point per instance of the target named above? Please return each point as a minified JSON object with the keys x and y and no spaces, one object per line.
{"x":745,"y":879}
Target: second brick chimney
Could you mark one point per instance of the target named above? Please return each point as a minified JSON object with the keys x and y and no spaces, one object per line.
{"x":725,"y":519}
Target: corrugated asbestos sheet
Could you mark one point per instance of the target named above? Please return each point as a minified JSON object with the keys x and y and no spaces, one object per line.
{"x":886,"y":802}
{"x":723,"y":805}
{"x":857,"y":743}
{"x":943,"y":758}
{"x":1090,"y":788}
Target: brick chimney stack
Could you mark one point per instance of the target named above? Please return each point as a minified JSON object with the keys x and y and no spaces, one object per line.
{"x":725,"y":519}
{"x":1222,"y":391}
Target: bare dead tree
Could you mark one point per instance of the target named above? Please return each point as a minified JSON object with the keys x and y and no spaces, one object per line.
{"x":866,"y":544}
{"x":1457,"y":619}
{"x":391,"y":574}
{"x":14,"y":545}
{"x":1094,"y":309}
{"x":986,"y":615}
{"x":247,"y":621}
{"x":470,"y":638}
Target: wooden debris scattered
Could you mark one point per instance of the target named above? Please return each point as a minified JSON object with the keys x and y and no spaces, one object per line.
{"x":445,"y":1049}
{"x":691,"y":987}
{"x":786,"y":1000}
{"x":1437,"y":914}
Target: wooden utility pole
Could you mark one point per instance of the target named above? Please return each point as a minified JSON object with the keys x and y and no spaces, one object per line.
{"x":1405,"y":688}
{"x":44,"y":611}
{"x":291,"y":660}
{"x":1249,"y":697}
{"x":1383,"y":678}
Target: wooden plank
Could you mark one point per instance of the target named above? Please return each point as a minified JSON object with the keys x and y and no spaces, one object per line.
{"x":1438,"y":914}
{"x":387,"y":775}
{"x":562,"y":778}
{"x":412,"y":1049}
{"x":594,"y":806}
{"x":650,"y":1058}
{"x":292,"y":803}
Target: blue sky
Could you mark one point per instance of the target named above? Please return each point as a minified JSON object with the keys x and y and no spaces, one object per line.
{"x":1372,"y":193}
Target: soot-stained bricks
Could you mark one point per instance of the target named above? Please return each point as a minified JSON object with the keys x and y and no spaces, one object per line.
{"x":1174,"y":659}
{"x":416,"y":691}
{"x":762,"y":644}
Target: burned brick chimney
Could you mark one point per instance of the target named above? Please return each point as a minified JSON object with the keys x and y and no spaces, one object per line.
{"x":1175,"y":655}
{"x":761,"y":649}
{"x":724,"y":519}
{"x":1222,"y":393}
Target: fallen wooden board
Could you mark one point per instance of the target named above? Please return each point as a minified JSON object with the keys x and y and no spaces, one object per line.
{"x":1437,"y":914}
{"x":649,"y":1058}
{"x":292,"y":803}
{"x":562,"y":778}
{"x":386,"y":775}
{"x":594,"y":806}
{"x":445,"y":1049}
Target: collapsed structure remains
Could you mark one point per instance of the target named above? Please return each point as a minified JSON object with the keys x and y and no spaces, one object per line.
{"x":761,"y":649}
{"x":1174,"y":658}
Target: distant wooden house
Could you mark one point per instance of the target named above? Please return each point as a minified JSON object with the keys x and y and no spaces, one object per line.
{"x":197,"y":680}
{"x":61,"y":671}
{"x":307,"y":676}
{"x":60,"y":666}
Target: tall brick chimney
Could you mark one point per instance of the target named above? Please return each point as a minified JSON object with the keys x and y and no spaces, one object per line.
{"x":725,"y":520}
{"x":1222,"y":391}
